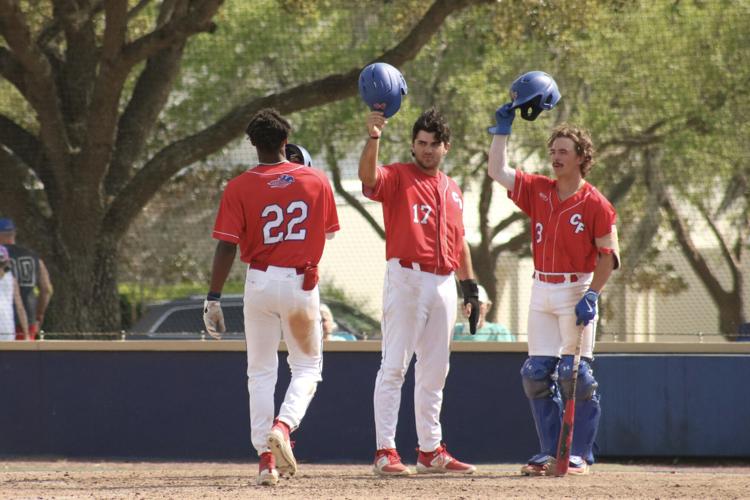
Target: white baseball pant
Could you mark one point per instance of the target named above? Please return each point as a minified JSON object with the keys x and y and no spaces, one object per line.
{"x":276,"y":305}
{"x":552,"y":319}
{"x":419,"y":311}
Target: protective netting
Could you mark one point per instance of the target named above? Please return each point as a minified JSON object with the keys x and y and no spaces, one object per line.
{"x":662,"y":86}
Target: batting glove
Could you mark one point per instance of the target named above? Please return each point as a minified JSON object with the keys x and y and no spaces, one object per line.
{"x":470,"y":291}
{"x":504,"y":118}
{"x":213,"y":318}
{"x":586,"y":308}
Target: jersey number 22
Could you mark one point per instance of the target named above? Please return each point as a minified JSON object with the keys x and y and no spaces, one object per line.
{"x":271,"y":232}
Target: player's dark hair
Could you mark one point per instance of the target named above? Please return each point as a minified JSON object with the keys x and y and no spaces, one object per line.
{"x":582,"y":140}
{"x":432,"y":121}
{"x":267,"y":130}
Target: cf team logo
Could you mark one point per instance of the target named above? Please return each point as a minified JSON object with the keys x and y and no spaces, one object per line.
{"x":575,"y":220}
{"x":281,"y":181}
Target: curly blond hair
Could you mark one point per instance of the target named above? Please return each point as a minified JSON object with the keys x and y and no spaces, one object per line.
{"x":582,"y":140}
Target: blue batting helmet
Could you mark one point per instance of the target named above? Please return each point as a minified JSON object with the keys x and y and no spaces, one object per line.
{"x":297,"y":154}
{"x":381,"y":86}
{"x":6,"y":225}
{"x":533,"y":92}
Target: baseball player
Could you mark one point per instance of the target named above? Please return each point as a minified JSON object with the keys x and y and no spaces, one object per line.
{"x":575,"y":249}
{"x":297,"y":154}
{"x":10,"y":300}
{"x":32,"y":275}
{"x":280,"y":213}
{"x":425,"y":247}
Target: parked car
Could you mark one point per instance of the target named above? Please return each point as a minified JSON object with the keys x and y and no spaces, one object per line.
{"x":183,"y":319}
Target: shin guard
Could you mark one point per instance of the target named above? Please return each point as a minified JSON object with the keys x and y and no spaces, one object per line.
{"x":588,"y":410}
{"x":546,"y":406}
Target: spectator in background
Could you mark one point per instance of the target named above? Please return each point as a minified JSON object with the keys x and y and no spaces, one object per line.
{"x":31,"y":274}
{"x":330,"y":327}
{"x":10,"y":297}
{"x":486,"y":331}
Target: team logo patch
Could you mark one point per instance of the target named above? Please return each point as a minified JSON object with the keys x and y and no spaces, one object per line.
{"x":576,"y":220}
{"x":281,"y":181}
{"x":544,"y":196}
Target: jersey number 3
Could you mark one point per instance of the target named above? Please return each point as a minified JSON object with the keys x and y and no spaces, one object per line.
{"x":271,"y":232}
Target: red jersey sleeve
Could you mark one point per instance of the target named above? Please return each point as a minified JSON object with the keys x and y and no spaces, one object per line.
{"x":331,"y":214}
{"x":605,"y":230}
{"x":522,"y":191}
{"x":385,"y":185}
{"x":606,"y":217}
{"x":230,"y":221}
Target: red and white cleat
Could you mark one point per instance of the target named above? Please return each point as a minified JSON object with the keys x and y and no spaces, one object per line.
{"x":440,"y":462}
{"x":267,"y":473}
{"x":281,"y":447}
{"x":388,"y":463}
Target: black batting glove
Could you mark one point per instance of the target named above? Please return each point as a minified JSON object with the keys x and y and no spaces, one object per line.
{"x":470,"y":291}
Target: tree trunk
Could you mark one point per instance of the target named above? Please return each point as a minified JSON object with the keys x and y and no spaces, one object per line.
{"x":731,"y":313}
{"x":86,"y":298}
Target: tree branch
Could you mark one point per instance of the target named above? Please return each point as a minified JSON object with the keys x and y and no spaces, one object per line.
{"x":12,"y":70}
{"x":351,"y":200}
{"x":15,"y":199}
{"x":726,"y":252}
{"x":22,"y":143}
{"x":197,"y":19}
{"x":55,"y":26}
{"x":503,"y":224}
{"x":642,"y":238}
{"x":485,"y":200}
{"x":691,"y":252}
{"x":179,"y":154}
{"x":619,"y":190}
{"x":102,"y":111}
{"x":644,"y":138}
{"x":39,"y":87}
{"x":519,"y":244}
{"x":149,"y":97}
{"x":49,"y":32}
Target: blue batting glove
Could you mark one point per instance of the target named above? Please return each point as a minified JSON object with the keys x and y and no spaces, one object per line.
{"x":586,"y":308}
{"x":504,"y":118}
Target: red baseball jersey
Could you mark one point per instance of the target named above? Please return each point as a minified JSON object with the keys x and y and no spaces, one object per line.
{"x":279,"y":214}
{"x":423,"y":215}
{"x":563,"y":233}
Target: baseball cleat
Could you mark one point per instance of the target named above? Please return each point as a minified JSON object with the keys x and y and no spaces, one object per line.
{"x":281,"y":447}
{"x":388,"y":463}
{"x":537,"y":469}
{"x":577,"y":466}
{"x":539,"y":465}
{"x":440,"y":462}
{"x":267,"y":473}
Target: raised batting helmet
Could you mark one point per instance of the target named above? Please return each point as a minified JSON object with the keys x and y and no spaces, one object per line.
{"x":297,"y":154}
{"x":533,"y":92}
{"x":381,"y":86}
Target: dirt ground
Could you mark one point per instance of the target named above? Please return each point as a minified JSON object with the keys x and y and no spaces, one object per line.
{"x":65,"y":479}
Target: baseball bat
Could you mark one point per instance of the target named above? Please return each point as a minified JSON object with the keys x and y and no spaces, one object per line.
{"x":566,"y":432}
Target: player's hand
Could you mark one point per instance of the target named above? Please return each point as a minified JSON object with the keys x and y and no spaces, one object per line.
{"x":213,"y":318}
{"x":375,"y":123}
{"x":586,"y":308}
{"x":470,"y":291}
{"x":504,"y":119}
